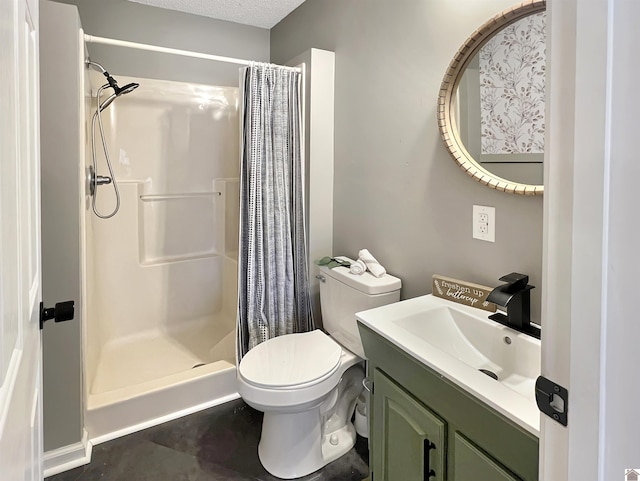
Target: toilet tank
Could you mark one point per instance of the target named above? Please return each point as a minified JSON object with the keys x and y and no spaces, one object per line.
{"x":342,"y":294}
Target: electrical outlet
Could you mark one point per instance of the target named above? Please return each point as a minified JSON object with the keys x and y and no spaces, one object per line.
{"x":484,"y":223}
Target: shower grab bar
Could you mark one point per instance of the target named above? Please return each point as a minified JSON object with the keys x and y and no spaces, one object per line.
{"x":186,"y":195}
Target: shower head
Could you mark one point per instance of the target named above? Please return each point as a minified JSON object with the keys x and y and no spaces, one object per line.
{"x":118,"y":91}
{"x":112,"y":83}
{"x":126,"y":89}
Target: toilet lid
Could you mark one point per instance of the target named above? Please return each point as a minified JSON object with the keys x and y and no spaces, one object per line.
{"x":291,"y":360}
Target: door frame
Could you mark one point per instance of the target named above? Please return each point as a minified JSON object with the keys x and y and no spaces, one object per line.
{"x":588,"y":253}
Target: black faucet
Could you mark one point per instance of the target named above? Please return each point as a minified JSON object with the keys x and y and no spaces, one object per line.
{"x":515,"y":297}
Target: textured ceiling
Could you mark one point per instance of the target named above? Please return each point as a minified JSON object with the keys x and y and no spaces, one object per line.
{"x":259,"y":13}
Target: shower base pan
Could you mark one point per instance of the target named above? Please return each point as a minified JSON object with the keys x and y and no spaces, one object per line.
{"x":144,"y":381}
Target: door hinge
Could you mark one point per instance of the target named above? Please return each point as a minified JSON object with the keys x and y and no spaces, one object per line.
{"x":552,"y":399}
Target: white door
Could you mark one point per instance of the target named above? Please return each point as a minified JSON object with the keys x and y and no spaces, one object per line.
{"x":20,"y":274}
{"x":592,"y":233}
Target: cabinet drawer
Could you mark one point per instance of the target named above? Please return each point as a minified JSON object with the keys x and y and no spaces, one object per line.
{"x":472,"y":464}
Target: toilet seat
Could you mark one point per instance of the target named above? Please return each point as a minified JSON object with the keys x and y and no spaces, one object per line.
{"x":291,"y":361}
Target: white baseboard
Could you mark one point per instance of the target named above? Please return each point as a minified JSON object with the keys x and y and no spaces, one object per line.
{"x":68,"y":457}
{"x":79,"y":454}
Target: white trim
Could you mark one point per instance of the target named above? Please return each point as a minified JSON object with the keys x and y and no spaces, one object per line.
{"x":68,"y":457}
{"x":557,"y":228}
{"x":318,"y":127}
{"x":162,"y":419}
{"x":173,"y":51}
{"x":79,"y":454}
{"x":82,"y":217}
{"x":8,"y":385}
{"x":606,"y":223}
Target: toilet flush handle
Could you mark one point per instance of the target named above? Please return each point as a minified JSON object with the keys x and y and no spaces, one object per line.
{"x":321,"y":278}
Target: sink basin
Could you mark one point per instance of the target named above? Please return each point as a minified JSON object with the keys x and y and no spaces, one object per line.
{"x":480,"y":343}
{"x":491,"y":361}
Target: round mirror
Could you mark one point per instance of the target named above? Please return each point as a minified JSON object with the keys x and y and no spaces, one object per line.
{"x":491,"y":107}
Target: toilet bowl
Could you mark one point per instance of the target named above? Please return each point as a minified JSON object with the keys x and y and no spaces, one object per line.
{"x":306,"y":420}
{"x":307,"y":384}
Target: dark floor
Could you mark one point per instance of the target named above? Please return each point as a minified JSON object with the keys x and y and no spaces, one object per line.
{"x":219,"y":444}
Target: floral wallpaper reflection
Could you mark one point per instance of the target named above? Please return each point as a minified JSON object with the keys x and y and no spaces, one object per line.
{"x":512,"y":75}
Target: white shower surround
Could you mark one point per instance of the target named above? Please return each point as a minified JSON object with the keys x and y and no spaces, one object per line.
{"x":162,"y":274}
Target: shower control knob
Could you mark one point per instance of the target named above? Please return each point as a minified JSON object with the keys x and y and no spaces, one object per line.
{"x":63,"y":311}
{"x":102,"y":180}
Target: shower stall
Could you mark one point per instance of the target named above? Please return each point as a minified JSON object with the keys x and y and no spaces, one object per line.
{"x":161,"y":274}
{"x":159,"y":280}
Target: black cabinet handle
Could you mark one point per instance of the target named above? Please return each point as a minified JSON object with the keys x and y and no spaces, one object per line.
{"x":428,"y":472}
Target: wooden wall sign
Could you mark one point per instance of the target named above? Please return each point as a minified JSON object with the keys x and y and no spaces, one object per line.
{"x":462,"y":292}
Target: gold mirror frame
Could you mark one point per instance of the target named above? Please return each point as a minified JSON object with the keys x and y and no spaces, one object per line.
{"x":446,"y":119}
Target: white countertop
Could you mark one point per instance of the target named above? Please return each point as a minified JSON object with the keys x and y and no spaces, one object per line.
{"x":516,"y":402}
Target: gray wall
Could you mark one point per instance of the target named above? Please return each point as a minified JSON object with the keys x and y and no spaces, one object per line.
{"x":59,"y":145}
{"x":124,"y":20}
{"x":396,"y":190}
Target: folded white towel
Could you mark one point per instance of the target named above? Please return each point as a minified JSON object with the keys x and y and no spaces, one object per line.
{"x":358,"y":267}
{"x":372,"y":264}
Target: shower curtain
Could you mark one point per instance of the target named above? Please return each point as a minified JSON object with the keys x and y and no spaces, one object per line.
{"x":272,"y":259}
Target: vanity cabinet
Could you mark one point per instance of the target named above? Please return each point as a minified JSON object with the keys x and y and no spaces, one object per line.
{"x":426,"y":428}
{"x":409,"y":437}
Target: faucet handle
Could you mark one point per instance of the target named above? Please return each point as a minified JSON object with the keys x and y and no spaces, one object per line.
{"x":515,"y":282}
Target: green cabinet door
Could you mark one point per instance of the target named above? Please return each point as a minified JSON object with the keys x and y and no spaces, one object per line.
{"x":472,"y":464}
{"x":408,"y":439}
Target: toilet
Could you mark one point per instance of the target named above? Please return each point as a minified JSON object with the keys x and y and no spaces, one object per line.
{"x":307,"y":384}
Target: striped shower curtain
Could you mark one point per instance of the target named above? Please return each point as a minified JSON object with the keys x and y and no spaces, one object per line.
{"x":272,"y":260}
